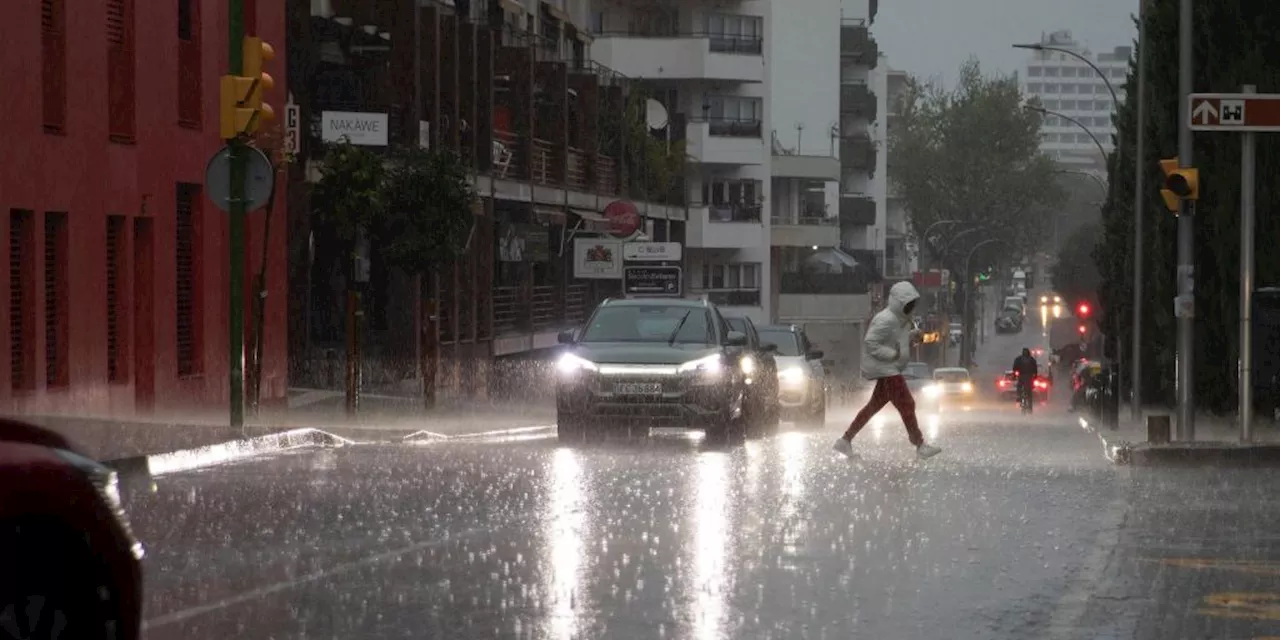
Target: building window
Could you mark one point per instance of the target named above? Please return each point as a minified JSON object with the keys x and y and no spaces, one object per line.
{"x":1035,"y":72}
{"x":120,"y":71}
{"x":1050,"y":72}
{"x":1083,"y":138}
{"x":1084,"y":88}
{"x":117,"y":363}
{"x":732,"y":284}
{"x":1068,"y":88}
{"x":55,"y":300}
{"x":734,"y":33}
{"x":1051,"y":88}
{"x":1068,"y":72}
{"x":1051,"y":104}
{"x":1069,"y":105}
{"x":734,"y":116}
{"x":1118,"y":72}
{"x":187,"y":279}
{"x":1102,"y":121}
{"x":1102,"y":105}
{"x":1100,"y":88}
{"x":190,"y":86}
{"x":22,"y":319}
{"x":53,"y":64}
{"x":1034,"y":87}
{"x":732,"y":200}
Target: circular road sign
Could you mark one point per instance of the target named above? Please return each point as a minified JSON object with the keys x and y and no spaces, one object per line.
{"x":258,"y":179}
{"x":624,"y":219}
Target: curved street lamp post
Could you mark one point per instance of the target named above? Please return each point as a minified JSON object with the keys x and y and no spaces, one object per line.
{"x":1101,"y":149}
{"x":967,"y":348}
{"x":1077,"y":56}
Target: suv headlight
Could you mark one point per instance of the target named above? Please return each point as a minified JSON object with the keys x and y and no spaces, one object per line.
{"x":792,"y":376}
{"x":933,"y":391}
{"x":570,"y":364}
{"x":710,"y":366}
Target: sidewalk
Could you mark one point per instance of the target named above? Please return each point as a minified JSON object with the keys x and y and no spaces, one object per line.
{"x":382,"y":418}
{"x":1217,"y":440}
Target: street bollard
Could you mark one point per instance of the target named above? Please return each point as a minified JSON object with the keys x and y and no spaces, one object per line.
{"x":1158,"y":429}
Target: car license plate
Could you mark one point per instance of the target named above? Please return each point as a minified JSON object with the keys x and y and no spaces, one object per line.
{"x":638,"y":388}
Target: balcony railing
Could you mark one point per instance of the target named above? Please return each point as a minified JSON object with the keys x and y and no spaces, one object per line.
{"x":607,"y":182}
{"x":543,"y":168}
{"x":735,"y":128}
{"x":724,"y":212}
{"x":808,"y":220}
{"x":857,"y":211}
{"x":719,"y":42}
{"x":731,"y":297}
{"x":747,"y":45}
{"x":575,"y":170}
{"x":506,"y":155}
{"x":824,"y":284}
{"x":545,"y":308}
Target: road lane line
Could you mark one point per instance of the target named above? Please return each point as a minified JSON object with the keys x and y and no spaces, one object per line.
{"x":183,"y":615}
{"x":1091,"y":578}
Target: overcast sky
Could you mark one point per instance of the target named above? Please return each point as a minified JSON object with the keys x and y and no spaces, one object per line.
{"x":930,"y":38}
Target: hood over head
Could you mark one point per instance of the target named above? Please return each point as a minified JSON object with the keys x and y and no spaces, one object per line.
{"x":899,"y":295}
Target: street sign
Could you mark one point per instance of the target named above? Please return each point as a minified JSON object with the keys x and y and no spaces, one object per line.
{"x":258,"y":180}
{"x":292,"y":131}
{"x":1234,"y":112}
{"x":652,"y":251}
{"x":652,"y":281}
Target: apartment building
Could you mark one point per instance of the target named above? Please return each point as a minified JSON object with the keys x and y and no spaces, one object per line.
{"x":901,"y":252}
{"x":512,"y":86}
{"x":1066,"y":85}
{"x":706,"y":63}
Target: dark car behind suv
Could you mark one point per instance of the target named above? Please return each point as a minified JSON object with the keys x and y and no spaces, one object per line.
{"x":658,"y":362}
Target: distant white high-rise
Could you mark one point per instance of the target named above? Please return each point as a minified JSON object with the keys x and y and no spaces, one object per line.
{"x":1066,"y":85}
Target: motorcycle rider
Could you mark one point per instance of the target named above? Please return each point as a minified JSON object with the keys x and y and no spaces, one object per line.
{"x":1026,"y":369}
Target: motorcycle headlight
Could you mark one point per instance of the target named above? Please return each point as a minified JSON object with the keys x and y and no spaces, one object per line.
{"x":711,"y":365}
{"x":792,"y":377}
{"x":570,"y":364}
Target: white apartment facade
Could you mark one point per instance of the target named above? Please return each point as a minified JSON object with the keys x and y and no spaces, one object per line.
{"x":901,"y":254}
{"x":707,"y":62}
{"x":1066,"y":85}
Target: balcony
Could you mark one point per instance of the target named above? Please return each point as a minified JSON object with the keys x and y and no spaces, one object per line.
{"x":824,"y":168}
{"x":824,"y":296}
{"x":724,"y":226}
{"x":857,"y":99}
{"x":857,"y":45}
{"x":805,"y":231}
{"x":858,"y":152}
{"x":725,"y":141}
{"x":857,"y":211}
{"x":684,"y":56}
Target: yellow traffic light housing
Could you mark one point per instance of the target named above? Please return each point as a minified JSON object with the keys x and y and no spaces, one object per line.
{"x":241,"y":108}
{"x":1179,"y":183}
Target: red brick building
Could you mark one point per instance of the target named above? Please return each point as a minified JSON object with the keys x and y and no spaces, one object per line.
{"x":115,"y":260}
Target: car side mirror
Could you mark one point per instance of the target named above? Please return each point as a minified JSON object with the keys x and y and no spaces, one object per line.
{"x":769,"y":347}
{"x":815,"y":354}
{"x":565,"y":337}
{"x":736,"y":339}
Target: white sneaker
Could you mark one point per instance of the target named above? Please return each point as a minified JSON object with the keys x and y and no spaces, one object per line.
{"x":927,"y":451}
{"x":845,"y":448}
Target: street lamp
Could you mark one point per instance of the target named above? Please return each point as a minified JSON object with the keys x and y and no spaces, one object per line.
{"x":1073,"y":54}
{"x":1101,"y":149}
{"x":968,"y":297}
{"x":1101,"y":185}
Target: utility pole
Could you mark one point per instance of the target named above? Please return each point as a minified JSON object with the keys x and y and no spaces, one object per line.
{"x":1186,"y":238}
{"x":1248,"y":193}
{"x":1139,"y":197}
{"x":235,"y":227}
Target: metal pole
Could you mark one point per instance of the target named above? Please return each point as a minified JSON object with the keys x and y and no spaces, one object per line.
{"x":1186,"y":237}
{"x":1247,"y":195}
{"x":235,"y":230}
{"x":1139,"y":197}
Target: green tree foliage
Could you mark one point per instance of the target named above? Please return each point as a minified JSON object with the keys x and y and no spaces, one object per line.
{"x":350,"y":194}
{"x":1234,"y":45}
{"x":972,"y":154}
{"x":428,"y":213}
{"x":1075,"y":275}
{"x":661,"y":164}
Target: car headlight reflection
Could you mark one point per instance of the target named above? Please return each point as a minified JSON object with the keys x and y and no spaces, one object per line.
{"x":932,"y":391}
{"x":710,"y":366}
{"x":967,"y":387}
{"x":792,"y":377}
{"x":570,"y":364}
{"x":748,"y":365}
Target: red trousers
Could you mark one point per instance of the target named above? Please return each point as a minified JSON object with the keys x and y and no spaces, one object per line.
{"x":892,"y":389}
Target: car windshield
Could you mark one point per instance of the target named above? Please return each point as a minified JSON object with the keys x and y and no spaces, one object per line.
{"x":916,"y":370}
{"x":951,"y":376}
{"x":788,"y":342}
{"x":736,"y":324}
{"x":679,"y":324}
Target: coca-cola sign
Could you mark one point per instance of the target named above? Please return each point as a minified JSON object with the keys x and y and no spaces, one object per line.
{"x":624,"y":219}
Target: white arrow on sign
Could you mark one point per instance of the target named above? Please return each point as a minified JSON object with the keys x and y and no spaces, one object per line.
{"x":1204,"y":111}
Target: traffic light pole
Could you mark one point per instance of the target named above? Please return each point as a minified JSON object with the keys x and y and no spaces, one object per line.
{"x":1248,"y":171}
{"x":235,"y":229}
{"x":1186,"y":238}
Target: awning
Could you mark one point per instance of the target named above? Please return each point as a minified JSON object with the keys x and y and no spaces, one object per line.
{"x":556,"y":12}
{"x":549,"y":214}
{"x":590,"y":216}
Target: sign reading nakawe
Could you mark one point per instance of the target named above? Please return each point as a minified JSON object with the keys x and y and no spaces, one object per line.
{"x":1234,"y":111}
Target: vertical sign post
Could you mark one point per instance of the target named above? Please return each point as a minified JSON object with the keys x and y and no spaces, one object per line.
{"x":1186,"y":240}
{"x":1247,"y":193}
{"x":235,"y":228}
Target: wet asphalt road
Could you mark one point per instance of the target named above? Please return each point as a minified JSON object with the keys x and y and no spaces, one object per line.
{"x":1020,"y":529}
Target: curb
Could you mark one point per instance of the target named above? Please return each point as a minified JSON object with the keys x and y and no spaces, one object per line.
{"x":425,"y":436}
{"x":1185,"y":454}
{"x":195,"y":458}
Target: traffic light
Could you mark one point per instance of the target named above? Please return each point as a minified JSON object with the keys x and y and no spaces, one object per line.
{"x":241,"y":108}
{"x":1083,"y":310}
{"x":1179,"y":184}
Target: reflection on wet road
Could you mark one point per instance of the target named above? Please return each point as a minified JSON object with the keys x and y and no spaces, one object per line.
{"x":660,"y":538}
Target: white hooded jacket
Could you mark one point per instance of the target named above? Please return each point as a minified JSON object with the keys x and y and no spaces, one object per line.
{"x":887,"y":346}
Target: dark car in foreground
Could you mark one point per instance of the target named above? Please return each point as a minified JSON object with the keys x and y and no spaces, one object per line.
{"x":72,"y":567}
{"x":661,"y":362}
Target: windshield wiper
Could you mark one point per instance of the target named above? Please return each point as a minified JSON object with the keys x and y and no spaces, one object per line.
{"x":671,"y":340}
